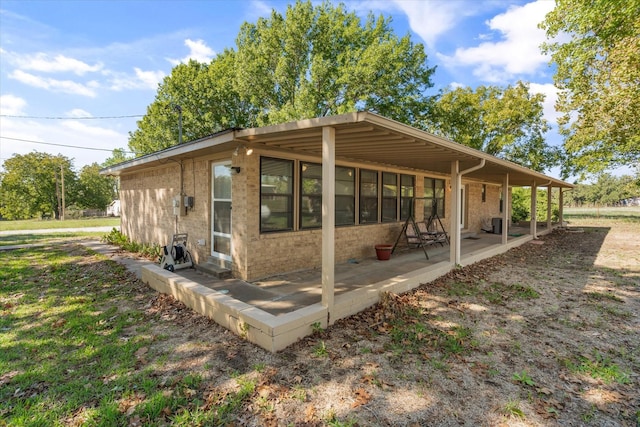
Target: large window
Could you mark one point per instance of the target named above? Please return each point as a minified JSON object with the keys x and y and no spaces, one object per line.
{"x":406,"y":195}
{"x":345,"y":196}
{"x":276,"y":194}
{"x":389,"y":197}
{"x":434,"y":197}
{"x":368,"y":196}
{"x":310,"y":195}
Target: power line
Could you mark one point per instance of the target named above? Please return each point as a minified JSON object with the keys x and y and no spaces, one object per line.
{"x":70,"y":118}
{"x":62,"y":145}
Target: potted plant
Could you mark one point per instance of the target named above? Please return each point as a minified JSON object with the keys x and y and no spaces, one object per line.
{"x":383,"y":252}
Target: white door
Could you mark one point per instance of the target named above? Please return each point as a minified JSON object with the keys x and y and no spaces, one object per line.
{"x":221,"y":211}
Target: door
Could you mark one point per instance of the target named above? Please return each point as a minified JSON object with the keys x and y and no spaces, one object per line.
{"x":221,"y":211}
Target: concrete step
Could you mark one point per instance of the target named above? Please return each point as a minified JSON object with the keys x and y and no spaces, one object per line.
{"x":214,"y":270}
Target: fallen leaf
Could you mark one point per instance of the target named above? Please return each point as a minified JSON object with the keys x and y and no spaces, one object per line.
{"x":362,"y":398}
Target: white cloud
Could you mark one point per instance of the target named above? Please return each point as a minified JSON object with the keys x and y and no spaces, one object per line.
{"x":550,"y":93}
{"x":12,"y":105}
{"x":151,"y":79}
{"x":45,"y":134}
{"x":431,"y":19}
{"x":45,"y":63}
{"x":78,"y":112}
{"x":64,"y":86}
{"x":141,"y":80}
{"x":516,"y":53}
{"x":198,"y":51}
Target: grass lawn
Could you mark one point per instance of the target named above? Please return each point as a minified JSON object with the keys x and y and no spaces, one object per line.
{"x":36,"y":224}
{"x":545,"y":334}
{"x":629,"y":213}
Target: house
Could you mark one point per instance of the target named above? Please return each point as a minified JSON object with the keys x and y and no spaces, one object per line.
{"x":114,"y":208}
{"x":311,"y":194}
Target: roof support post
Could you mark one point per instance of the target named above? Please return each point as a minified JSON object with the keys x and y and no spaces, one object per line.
{"x":328,"y":218}
{"x":456,"y":204}
{"x":560,"y":207}
{"x":505,"y":209}
{"x":534,"y":200}
{"x":549,"y":194}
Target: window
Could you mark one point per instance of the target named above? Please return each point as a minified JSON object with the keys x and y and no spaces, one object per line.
{"x":345,"y":196}
{"x":484,"y":193}
{"x":434,"y":197}
{"x":406,"y":195}
{"x":389,"y":197}
{"x":276,"y":194}
{"x":368,"y":196}
{"x":310,"y":195}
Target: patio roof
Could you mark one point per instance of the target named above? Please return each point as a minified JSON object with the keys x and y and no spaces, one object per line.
{"x":362,"y":137}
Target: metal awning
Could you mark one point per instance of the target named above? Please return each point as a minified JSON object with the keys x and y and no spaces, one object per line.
{"x":359,"y":137}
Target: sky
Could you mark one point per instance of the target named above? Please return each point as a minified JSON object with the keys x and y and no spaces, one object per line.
{"x":75,"y":76}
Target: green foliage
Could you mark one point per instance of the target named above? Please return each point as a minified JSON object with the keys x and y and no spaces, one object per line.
{"x":600,"y":367}
{"x":598,"y":75}
{"x":31,"y":185}
{"x":115,"y":237}
{"x":607,"y":190}
{"x":95,"y":191}
{"x":523,"y":378}
{"x":521,"y":205}
{"x":313,"y":61}
{"x":504,"y":122}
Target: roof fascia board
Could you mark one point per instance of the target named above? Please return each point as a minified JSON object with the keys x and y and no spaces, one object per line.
{"x":176,"y":150}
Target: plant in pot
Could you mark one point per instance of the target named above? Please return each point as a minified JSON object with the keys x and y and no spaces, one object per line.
{"x":383,"y":252}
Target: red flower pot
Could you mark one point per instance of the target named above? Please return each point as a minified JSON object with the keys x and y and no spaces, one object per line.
{"x":383,"y":252}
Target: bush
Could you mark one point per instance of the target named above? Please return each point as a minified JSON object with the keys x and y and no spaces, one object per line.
{"x":115,"y":237}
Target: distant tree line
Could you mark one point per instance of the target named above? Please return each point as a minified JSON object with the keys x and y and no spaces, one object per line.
{"x":31,"y":186}
{"x":608,"y":190}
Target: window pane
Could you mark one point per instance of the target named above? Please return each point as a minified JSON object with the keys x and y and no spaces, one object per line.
{"x":311,"y":195}
{"x":368,"y":196}
{"x":345,"y":196}
{"x":276,"y":194}
{"x":389,"y":197}
{"x":428,"y":187}
{"x":222,"y":182}
{"x":406,"y":195}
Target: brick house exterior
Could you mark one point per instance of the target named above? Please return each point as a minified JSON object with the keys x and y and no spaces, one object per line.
{"x":385,"y":150}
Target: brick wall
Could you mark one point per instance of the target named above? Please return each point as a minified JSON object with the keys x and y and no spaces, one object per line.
{"x":147,"y":216}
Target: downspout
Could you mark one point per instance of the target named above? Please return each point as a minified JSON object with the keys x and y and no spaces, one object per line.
{"x":455,"y":238}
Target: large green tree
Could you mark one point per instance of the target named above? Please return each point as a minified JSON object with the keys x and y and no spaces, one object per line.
{"x":31,"y":185}
{"x":504,"y":122}
{"x":312,"y":61}
{"x":95,"y":191}
{"x":595,"y":46}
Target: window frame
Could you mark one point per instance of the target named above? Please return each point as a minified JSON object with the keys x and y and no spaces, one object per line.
{"x":428,"y":206}
{"x":362,"y":197}
{"x":289,"y":197}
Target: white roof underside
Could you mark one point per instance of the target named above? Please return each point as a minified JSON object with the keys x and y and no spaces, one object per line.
{"x":360,"y":137}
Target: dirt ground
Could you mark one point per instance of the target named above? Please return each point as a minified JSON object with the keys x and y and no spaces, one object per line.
{"x":546,"y":334}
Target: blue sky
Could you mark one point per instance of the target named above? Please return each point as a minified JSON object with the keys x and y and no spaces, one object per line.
{"x":70,"y":66}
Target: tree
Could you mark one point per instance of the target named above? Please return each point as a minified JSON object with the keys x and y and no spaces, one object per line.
{"x":94,"y":190}
{"x":504,"y":122}
{"x":314,"y":61}
{"x":598,"y":76}
{"x":118,"y":155}
{"x":32,"y":185}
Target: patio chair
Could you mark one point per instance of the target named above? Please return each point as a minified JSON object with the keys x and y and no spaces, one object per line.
{"x":432,"y":233}
{"x":416,"y":239}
